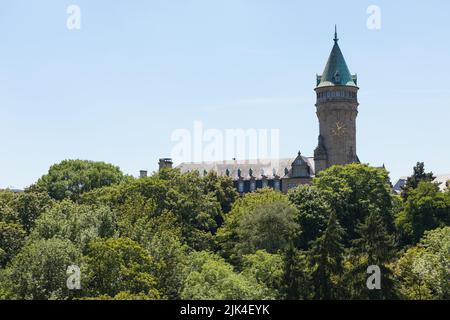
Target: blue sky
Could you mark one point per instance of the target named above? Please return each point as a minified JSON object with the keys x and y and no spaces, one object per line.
{"x":138,"y":70}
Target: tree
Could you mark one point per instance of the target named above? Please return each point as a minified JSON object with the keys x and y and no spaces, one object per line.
{"x":374,"y":247}
{"x":228,"y":235}
{"x":426,"y":208}
{"x":209,"y":277}
{"x":12,"y":238}
{"x":8,"y":212}
{"x":423,"y":270}
{"x":419,"y":175}
{"x":71,"y":178}
{"x":298,"y":275}
{"x":327,"y":256}
{"x":23,"y":208}
{"x":313,"y":212}
{"x":164,"y":242}
{"x":121,"y":296}
{"x":38,"y":271}
{"x":271,"y":227}
{"x":353,"y":191}
{"x":267,"y":269}
{"x":374,"y":240}
{"x":78,"y":223}
{"x":183,"y":195}
{"x":223,"y":189}
{"x":119,"y":265}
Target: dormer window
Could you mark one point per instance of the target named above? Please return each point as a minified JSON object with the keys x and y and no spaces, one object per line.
{"x":337,"y":77}
{"x":276,"y":185}
{"x":252,"y":186}
{"x":265,"y":183}
{"x":241,"y":186}
{"x":300,"y":169}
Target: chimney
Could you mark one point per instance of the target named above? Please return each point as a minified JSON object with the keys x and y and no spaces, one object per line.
{"x":165,"y":163}
{"x":143,"y":174}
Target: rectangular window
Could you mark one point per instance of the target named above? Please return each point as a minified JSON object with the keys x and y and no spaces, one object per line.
{"x":276,"y":185}
{"x":264,"y":183}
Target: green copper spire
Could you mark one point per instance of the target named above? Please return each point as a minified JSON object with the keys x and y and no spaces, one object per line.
{"x":336,"y":72}
{"x":336,"y":39}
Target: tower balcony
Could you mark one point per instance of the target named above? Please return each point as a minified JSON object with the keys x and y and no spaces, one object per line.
{"x":337,"y":95}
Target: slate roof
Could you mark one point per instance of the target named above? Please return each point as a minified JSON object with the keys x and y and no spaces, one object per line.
{"x":336,"y":71}
{"x":268,"y":167}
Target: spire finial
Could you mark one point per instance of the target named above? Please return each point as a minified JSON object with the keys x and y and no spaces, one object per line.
{"x":336,"y":39}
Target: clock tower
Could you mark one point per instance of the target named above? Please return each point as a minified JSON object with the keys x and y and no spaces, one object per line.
{"x":337,"y":109}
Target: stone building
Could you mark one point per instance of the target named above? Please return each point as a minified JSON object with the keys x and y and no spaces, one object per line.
{"x":336,"y":108}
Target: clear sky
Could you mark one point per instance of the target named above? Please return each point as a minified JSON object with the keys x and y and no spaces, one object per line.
{"x":138,"y":70}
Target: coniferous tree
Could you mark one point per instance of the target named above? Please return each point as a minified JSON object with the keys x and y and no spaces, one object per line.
{"x":327,"y":257}
{"x":375,"y":247}
{"x":413,"y":181}
{"x":297,"y":275}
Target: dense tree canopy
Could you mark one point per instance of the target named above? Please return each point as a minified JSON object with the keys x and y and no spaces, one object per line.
{"x":12,"y":238}
{"x":426,"y":208}
{"x":115,"y":266}
{"x":423,"y":270}
{"x":354,"y":190}
{"x":419,"y":175}
{"x":71,"y":178}
{"x":38,"y":271}
{"x":211,"y":278}
{"x":78,"y":223}
{"x":313,"y":212}
{"x":233,"y":236}
{"x":176,"y":235}
{"x":23,"y":208}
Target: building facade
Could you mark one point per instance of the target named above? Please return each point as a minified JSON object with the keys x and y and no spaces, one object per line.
{"x":336,"y":108}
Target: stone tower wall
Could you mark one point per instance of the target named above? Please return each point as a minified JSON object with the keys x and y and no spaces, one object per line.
{"x":337,"y":109}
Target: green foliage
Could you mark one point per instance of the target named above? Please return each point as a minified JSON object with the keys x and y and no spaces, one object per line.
{"x":374,"y":241}
{"x":8,"y":212}
{"x":39,"y":270}
{"x":298,"y":275}
{"x":419,"y":175}
{"x":71,"y":178}
{"x":228,"y":235}
{"x":122,"y":296}
{"x":426,"y":208}
{"x":183,"y":195}
{"x":354,"y":190}
{"x":267,"y":269}
{"x":423,"y":270}
{"x":12,"y":238}
{"x":119,"y":265}
{"x":271,"y":227}
{"x":160,"y":237}
{"x":374,"y":247}
{"x":211,"y":278}
{"x":223,"y":189}
{"x":165,"y":244}
{"x":313,"y":212}
{"x":23,"y":208}
{"x":327,"y":260}
{"x":104,"y":196}
{"x":78,"y":223}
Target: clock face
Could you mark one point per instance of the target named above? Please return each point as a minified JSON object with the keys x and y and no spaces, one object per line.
{"x":339,"y":129}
